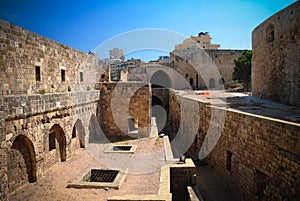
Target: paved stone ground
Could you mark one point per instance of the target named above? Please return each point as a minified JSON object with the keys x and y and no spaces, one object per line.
{"x":52,"y":186}
{"x":212,"y":187}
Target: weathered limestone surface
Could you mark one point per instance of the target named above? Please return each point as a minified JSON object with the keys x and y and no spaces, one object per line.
{"x":222,"y":60}
{"x":30,"y":63}
{"x":121,"y":103}
{"x":265,"y":152}
{"x":22,"y":50}
{"x":33,"y":118}
{"x":276,"y":57}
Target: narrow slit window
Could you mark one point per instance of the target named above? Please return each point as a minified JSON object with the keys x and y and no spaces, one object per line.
{"x":38,"y":73}
{"x":81,"y":76}
{"x":63,"y":75}
{"x":228,"y":160}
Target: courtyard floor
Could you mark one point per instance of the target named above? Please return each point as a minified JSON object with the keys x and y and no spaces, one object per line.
{"x":52,"y":185}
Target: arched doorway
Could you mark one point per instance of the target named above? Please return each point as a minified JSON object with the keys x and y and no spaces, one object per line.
{"x":21,"y":162}
{"x":212,"y":83}
{"x":78,"y":131}
{"x":57,"y":137}
{"x":160,"y":79}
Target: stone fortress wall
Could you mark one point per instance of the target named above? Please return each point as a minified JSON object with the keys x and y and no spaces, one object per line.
{"x":276,"y":57}
{"x":124,"y":108}
{"x":222,"y":59}
{"x":30,"y":63}
{"x":38,"y":130}
{"x":258,"y":156}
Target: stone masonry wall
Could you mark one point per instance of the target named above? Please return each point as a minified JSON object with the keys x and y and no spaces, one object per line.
{"x":30,"y":63}
{"x":33,"y":118}
{"x":256,"y":155}
{"x":222,"y":59}
{"x":276,"y":57}
{"x":121,"y":102}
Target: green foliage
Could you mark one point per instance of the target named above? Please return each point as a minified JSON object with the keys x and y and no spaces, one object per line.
{"x":42,"y":91}
{"x":242,"y":68}
{"x":69,"y":88}
{"x":88,"y":88}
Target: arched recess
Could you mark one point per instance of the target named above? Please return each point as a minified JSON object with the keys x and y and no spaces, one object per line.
{"x":59,"y":137}
{"x":22,"y":162}
{"x":160,"y":79}
{"x":78,"y":131}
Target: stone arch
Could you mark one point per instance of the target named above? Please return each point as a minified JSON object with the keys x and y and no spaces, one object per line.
{"x":22,"y":162}
{"x":212,"y":83}
{"x":78,"y":131}
{"x":160,"y":79}
{"x":60,"y":137}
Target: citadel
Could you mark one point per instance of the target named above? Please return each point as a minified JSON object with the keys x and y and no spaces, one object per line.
{"x":57,"y":102}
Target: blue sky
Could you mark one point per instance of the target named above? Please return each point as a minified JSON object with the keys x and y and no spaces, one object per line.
{"x":84,"y":25}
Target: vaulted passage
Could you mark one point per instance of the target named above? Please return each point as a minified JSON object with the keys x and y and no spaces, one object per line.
{"x":22,"y":163}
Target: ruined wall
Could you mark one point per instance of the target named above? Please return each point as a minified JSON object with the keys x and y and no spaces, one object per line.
{"x":276,"y":57}
{"x":222,"y":59}
{"x":256,"y":155}
{"x":30,"y":63}
{"x":123,"y":105}
{"x":29,"y":122}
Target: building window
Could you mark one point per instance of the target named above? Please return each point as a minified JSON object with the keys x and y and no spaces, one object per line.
{"x":52,"y":141}
{"x":186,"y":75}
{"x":191,"y":81}
{"x":38,"y":73}
{"x":81,"y":76}
{"x":270,"y":33}
{"x":63,"y":75}
{"x":228,"y":160}
{"x":103,"y":76}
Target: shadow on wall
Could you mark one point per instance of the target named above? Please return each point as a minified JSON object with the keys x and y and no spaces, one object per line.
{"x":96,"y":134}
{"x":78,"y":131}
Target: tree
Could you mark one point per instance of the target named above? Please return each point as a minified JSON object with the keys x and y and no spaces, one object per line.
{"x":242,"y":69}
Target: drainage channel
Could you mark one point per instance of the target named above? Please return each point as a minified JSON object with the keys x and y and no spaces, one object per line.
{"x":103,"y":175}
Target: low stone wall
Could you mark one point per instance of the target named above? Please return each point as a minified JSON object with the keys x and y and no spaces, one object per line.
{"x":256,"y":155}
